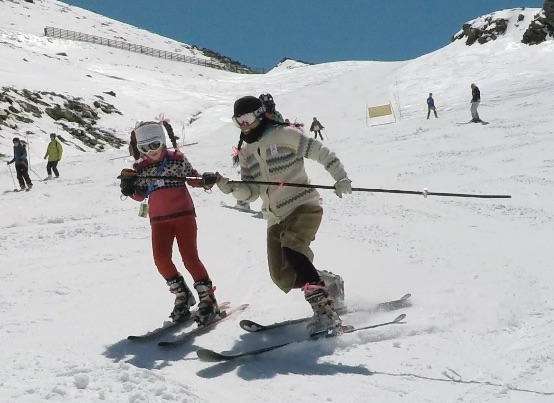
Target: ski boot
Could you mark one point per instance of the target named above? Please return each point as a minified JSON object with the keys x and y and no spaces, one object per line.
{"x":242,"y":206}
{"x":207,"y":307}
{"x":184,"y":298}
{"x":335,"y":287}
{"x":325,"y":322}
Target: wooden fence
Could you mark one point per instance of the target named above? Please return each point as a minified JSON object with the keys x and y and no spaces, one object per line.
{"x":145,"y":50}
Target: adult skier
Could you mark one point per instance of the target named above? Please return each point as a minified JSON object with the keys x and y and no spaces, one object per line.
{"x":475,"y":100}
{"x":54,"y":152}
{"x":21,"y":164}
{"x":275,"y":152}
{"x":316,"y":127}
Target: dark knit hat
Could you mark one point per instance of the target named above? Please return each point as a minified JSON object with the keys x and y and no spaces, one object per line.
{"x":15,"y":139}
{"x":246,"y":105}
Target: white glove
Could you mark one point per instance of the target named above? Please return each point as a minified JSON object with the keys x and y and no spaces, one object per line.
{"x":224,"y":185}
{"x":343,"y":186}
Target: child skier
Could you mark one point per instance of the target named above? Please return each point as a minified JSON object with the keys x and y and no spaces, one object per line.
{"x":275,"y":152}
{"x":172,"y":216}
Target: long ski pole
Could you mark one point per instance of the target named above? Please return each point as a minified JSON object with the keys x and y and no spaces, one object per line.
{"x":423,"y":192}
{"x":13,"y":179}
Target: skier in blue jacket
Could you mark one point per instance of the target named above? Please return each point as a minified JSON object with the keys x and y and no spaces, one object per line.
{"x":431,"y":106}
{"x":21,"y":164}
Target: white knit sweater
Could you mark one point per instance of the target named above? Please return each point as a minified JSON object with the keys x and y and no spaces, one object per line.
{"x":279,"y":157}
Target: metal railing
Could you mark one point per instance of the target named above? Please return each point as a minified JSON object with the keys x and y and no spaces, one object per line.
{"x":145,"y":50}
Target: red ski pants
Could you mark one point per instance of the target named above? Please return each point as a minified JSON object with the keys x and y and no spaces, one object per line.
{"x":184,"y":230}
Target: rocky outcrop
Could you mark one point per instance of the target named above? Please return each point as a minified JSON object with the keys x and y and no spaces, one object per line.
{"x":19,"y":108}
{"x":542,"y":25}
{"x":493,"y":28}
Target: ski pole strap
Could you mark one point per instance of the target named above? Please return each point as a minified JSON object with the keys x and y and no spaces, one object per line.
{"x":158,"y":173}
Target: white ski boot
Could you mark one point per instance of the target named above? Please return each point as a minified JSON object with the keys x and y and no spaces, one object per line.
{"x":325,"y":320}
{"x":335,"y":287}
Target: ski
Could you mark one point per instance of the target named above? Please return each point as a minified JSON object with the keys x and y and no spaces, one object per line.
{"x":172,"y":326}
{"x":213,"y":356}
{"x":182,"y":338}
{"x":190,"y":144}
{"x":251,"y":326}
{"x":254,"y":213}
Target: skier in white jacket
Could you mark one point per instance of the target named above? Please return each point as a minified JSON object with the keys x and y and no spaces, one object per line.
{"x":275,"y":152}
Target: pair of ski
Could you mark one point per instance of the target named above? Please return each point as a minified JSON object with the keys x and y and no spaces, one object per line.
{"x":250,"y":326}
{"x":182,"y":338}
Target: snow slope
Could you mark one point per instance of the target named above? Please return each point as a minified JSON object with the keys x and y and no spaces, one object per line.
{"x":77,"y":273}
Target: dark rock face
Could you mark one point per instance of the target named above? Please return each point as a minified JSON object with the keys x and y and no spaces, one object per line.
{"x":73,"y":115}
{"x":540,"y":28}
{"x":542,"y":25}
{"x":489,"y":32}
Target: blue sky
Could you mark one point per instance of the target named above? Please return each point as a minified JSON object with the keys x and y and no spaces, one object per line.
{"x":260,"y":33}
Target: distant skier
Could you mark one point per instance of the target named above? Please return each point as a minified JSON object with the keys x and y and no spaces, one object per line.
{"x":431,"y":106}
{"x":475,"y":100}
{"x":316,"y":127}
{"x":275,"y":152}
{"x":172,"y":217}
{"x":54,"y":152}
{"x":21,"y":164}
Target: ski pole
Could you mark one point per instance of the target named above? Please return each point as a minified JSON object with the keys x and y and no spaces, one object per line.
{"x":425,"y":192}
{"x":326,"y":136}
{"x":38,"y":176}
{"x":13,"y":179}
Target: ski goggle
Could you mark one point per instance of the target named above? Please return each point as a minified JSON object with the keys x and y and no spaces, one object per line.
{"x":244,"y":120}
{"x":150,"y":147}
{"x":248,"y":118}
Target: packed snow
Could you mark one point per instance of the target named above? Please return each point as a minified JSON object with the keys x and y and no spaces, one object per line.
{"x":78,"y":276}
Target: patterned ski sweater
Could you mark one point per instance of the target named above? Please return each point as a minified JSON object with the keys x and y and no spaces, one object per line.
{"x":279,"y":157}
{"x":168,"y":199}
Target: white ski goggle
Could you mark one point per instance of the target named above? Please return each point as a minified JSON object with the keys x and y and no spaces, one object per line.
{"x":150,"y":147}
{"x":248,"y":118}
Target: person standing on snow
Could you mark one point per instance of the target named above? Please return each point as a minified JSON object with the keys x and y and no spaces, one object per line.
{"x":21,"y":164}
{"x":475,"y":100}
{"x":54,"y":155}
{"x":275,"y":152}
{"x":316,"y":127}
{"x":431,"y":106}
{"x":172,"y":216}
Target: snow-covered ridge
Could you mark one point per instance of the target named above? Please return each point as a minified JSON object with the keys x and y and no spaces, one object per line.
{"x":512,"y":24}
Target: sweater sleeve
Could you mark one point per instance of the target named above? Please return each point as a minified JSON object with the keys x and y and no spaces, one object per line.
{"x":314,"y":150}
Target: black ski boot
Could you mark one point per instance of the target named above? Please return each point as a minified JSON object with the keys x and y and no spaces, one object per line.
{"x":184,"y":298}
{"x":207,"y":307}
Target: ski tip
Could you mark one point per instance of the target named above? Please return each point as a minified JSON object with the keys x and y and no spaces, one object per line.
{"x":250,"y":326}
{"x":399,"y":318}
{"x":405,"y":297}
{"x":209,"y":355}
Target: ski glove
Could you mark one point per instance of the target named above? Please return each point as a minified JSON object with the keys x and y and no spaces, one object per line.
{"x":224,"y":185}
{"x":240,"y":191}
{"x":128,"y":182}
{"x":343,"y":186}
{"x":206,"y":181}
{"x":209,"y":179}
